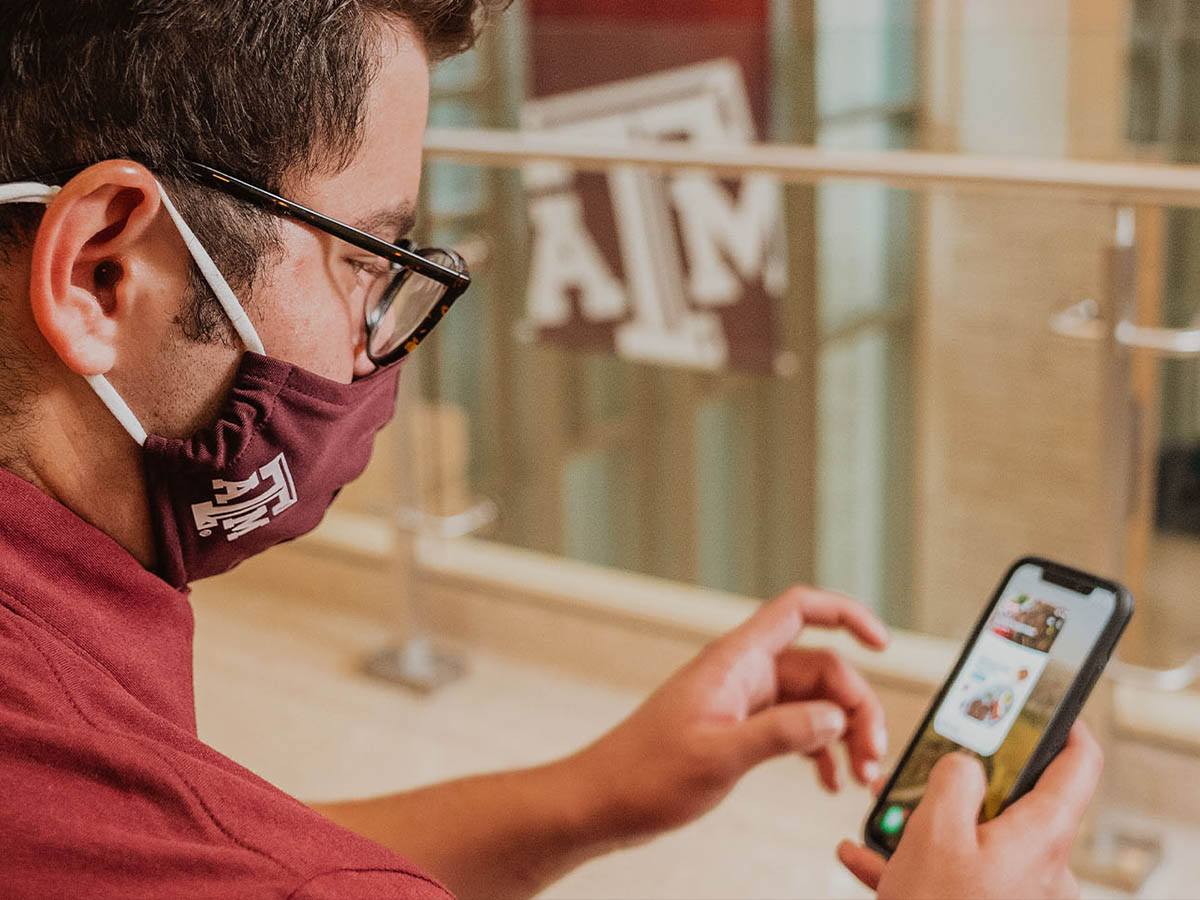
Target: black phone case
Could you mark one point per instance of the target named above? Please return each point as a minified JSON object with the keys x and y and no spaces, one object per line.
{"x":1055,"y":736}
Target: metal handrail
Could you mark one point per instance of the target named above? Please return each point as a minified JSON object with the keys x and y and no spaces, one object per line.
{"x":1168,"y":681}
{"x":1120,"y":182}
{"x":1082,"y":321}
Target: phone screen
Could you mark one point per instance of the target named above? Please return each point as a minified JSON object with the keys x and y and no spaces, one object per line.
{"x":1036,"y":639}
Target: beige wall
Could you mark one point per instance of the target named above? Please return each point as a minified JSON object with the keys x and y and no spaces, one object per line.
{"x":1014,"y":437}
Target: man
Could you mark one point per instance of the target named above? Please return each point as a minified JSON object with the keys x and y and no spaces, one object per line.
{"x":194,"y":362}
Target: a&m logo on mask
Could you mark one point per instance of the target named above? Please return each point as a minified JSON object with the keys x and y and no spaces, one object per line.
{"x":240,"y":507}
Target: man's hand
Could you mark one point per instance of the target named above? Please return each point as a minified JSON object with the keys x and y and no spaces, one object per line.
{"x":1023,"y":852}
{"x":747,"y":697}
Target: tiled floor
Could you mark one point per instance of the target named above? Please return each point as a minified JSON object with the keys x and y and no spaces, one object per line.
{"x":279,"y":689}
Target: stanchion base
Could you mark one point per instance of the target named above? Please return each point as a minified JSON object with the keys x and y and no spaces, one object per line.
{"x":418,"y":665}
{"x":1117,"y":858}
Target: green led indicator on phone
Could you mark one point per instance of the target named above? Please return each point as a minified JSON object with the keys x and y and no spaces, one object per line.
{"x":892,"y":820}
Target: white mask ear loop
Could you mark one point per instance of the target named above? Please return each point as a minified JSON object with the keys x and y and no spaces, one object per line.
{"x":220,"y":287}
{"x":32,"y":192}
{"x":117,"y":406}
{"x":27,"y":192}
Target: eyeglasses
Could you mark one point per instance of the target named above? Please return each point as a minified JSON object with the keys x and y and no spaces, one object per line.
{"x":404,"y":301}
{"x":405,"y":298}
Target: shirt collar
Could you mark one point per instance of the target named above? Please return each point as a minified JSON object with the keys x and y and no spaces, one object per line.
{"x":88,"y":590}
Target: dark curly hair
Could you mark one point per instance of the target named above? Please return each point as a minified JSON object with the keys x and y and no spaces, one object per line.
{"x":267,"y":89}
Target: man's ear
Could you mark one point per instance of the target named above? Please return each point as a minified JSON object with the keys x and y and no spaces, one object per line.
{"x":85,"y":253}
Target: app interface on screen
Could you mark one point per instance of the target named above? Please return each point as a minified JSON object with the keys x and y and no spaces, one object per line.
{"x":1016,"y":674}
{"x":1004,"y":665}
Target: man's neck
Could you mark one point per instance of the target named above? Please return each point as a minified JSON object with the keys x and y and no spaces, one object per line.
{"x":92,"y":467}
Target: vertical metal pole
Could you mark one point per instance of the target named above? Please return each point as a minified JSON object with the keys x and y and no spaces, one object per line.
{"x":414,"y":660}
{"x":1110,"y":852}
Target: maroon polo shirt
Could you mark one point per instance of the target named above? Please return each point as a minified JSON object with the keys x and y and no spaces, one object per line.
{"x":105,"y":790}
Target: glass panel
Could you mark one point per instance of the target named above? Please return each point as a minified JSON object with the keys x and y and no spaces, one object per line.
{"x":865,"y":55}
{"x":747,"y":479}
{"x":909,"y":423}
{"x":1164,"y":86}
{"x":851,"y":464}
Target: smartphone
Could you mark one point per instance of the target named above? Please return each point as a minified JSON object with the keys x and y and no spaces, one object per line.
{"x":1029,"y":665}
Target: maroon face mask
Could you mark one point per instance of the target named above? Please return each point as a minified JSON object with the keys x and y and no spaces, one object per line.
{"x":265,"y":472}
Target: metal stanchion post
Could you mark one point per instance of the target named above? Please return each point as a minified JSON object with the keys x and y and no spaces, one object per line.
{"x":415,"y":660}
{"x":1112,"y":850}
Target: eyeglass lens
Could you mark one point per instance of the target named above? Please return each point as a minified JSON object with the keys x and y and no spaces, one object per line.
{"x":402,"y":303}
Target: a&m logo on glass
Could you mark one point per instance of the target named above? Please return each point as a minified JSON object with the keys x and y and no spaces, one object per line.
{"x":677,"y":269}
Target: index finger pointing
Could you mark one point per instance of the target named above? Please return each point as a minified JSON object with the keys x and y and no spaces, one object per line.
{"x":772,"y":627}
{"x":828,"y":609}
{"x":777,"y":624}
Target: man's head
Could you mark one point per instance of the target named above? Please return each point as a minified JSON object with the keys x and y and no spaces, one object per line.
{"x":322,"y":100}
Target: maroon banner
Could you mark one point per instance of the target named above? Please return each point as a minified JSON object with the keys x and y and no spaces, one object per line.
{"x":681,"y":269}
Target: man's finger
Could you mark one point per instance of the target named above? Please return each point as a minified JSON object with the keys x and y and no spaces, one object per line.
{"x":773,"y":627}
{"x":1061,"y":796}
{"x":827,"y":769}
{"x":823,"y":674}
{"x":777,"y":624}
{"x":865,"y":865}
{"x":828,"y":609}
{"x":949,"y":810}
{"x":789,"y":728}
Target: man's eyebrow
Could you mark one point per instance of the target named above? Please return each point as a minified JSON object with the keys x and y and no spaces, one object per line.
{"x":390,"y":224}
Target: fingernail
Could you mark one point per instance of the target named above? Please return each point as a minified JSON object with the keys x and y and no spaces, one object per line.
{"x":870,"y":771}
{"x":879,"y":740}
{"x":829,"y":721}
